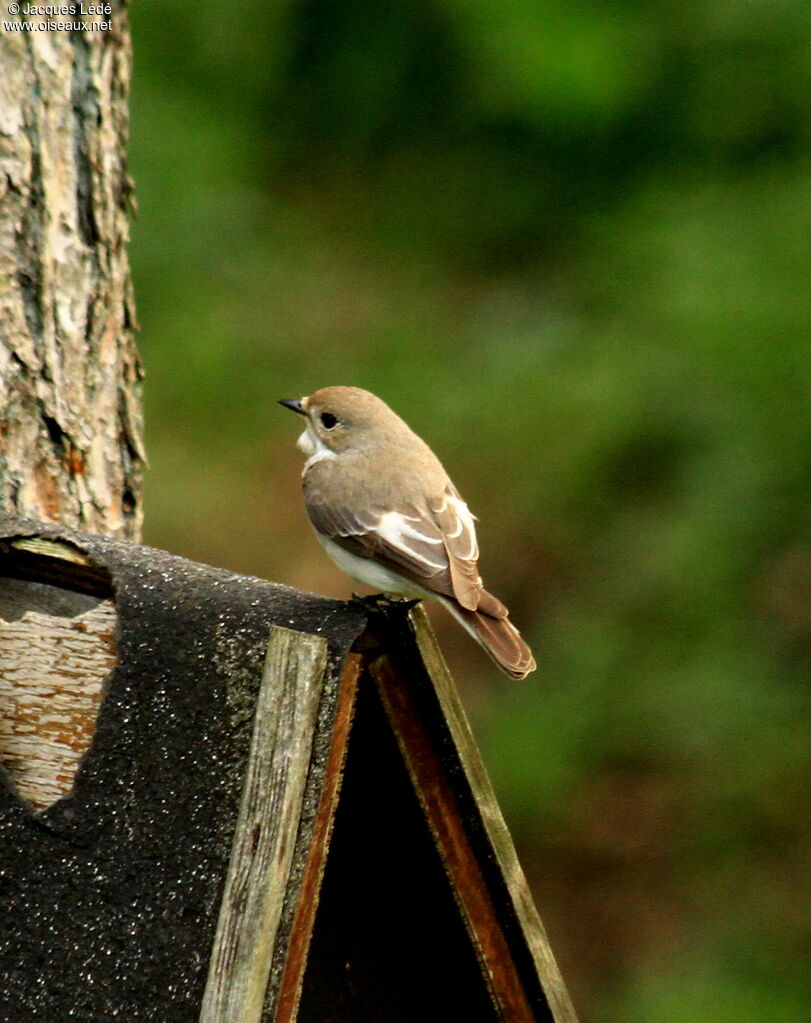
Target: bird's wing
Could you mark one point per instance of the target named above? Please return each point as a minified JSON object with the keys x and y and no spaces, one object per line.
{"x":405,"y":541}
{"x":433,"y":546}
{"x":456,"y":523}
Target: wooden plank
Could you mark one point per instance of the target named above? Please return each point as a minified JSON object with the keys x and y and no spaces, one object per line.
{"x":265,"y":835}
{"x":459,"y":857}
{"x":296,"y":958}
{"x":492,"y":819}
{"x":428,"y":767}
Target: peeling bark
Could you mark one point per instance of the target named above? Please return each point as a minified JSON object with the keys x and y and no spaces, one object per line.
{"x":71,"y":446}
{"x":56,"y":650}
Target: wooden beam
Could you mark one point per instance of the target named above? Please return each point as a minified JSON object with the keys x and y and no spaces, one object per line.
{"x":309,"y":891}
{"x":458,"y":799}
{"x":266,"y":829}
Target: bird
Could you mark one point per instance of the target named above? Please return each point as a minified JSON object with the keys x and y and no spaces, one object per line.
{"x":386,"y":512}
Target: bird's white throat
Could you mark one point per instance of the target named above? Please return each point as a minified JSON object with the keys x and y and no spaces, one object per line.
{"x":312,"y":446}
{"x":307,"y":441}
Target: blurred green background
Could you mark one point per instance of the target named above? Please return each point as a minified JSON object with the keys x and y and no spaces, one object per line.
{"x":570,"y":244}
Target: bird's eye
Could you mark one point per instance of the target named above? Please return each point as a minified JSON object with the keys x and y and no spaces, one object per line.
{"x":328,"y":420}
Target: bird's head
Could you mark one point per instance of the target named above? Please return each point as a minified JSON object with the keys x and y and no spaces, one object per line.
{"x":339,"y":418}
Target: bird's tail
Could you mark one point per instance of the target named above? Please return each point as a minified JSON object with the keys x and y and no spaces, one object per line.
{"x":499,"y":637}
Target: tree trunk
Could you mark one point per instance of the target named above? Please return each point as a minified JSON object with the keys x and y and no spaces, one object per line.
{"x":70,"y":421}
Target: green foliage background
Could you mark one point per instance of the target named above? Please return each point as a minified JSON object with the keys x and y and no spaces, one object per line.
{"x":570,"y":245}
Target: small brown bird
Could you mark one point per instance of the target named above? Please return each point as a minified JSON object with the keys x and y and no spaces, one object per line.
{"x":387,"y":513}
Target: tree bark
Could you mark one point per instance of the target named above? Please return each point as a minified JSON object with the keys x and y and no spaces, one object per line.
{"x":70,"y":420}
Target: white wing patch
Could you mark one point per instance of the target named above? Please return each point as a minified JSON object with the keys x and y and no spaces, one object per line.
{"x":393,"y":525}
{"x":394,"y":528}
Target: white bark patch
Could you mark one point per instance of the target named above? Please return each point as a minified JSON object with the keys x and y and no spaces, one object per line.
{"x":52,"y":672}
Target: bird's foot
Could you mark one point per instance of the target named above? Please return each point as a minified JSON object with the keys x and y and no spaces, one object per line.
{"x":383,"y":602}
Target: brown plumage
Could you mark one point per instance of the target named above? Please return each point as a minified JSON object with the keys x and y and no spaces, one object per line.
{"x":501,"y":640}
{"x":385,"y":510}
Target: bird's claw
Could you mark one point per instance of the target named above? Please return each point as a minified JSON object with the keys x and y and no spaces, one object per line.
{"x":383,"y":602}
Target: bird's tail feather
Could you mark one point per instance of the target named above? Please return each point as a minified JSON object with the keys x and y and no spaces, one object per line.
{"x":499,"y":637}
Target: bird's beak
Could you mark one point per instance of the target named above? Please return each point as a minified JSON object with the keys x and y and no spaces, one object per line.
{"x":294,"y":404}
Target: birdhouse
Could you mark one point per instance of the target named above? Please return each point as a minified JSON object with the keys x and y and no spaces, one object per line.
{"x":223,"y":800}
